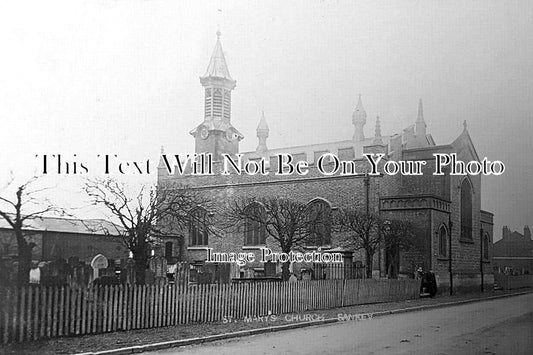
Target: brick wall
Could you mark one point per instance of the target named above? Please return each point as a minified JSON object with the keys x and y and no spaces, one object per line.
{"x":429,"y":203}
{"x":83,"y":246}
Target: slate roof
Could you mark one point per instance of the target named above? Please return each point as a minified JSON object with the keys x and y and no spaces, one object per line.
{"x":67,"y":225}
{"x":218,"y":67}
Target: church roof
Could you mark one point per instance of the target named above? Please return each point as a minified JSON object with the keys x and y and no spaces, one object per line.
{"x":217,"y":65}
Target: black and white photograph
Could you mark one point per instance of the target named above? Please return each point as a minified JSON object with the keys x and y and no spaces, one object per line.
{"x":266,"y":177}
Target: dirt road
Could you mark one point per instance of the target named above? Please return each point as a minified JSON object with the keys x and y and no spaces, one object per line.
{"x":502,"y":326}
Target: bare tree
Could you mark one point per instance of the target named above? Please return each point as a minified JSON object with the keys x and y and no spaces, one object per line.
{"x":16,"y":212}
{"x":152,"y":213}
{"x":285,"y":221}
{"x":397,"y":236}
{"x":362,"y":233}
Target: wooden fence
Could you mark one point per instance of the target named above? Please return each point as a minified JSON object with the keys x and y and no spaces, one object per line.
{"x":48,"y":312}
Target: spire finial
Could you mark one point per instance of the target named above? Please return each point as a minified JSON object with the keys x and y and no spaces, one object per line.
{"x":359,"y":120}
{"x":162,"y":149}
{"x":218,"y":34}
{"x":420,"y":116}
{"x":262,"y":133}
{"x":377,"y":138}
{"x":464,"y":125}
{"x":262,"y":127}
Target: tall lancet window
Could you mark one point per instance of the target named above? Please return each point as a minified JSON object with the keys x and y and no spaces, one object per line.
{"x":198,"y":235}
{"x":254,"y":224}
{"x":319,"y":229}
{"x":466,"y":209}
{"x":443,"y":242}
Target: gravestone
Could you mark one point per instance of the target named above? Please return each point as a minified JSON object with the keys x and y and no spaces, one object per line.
{"x":98,"y":262}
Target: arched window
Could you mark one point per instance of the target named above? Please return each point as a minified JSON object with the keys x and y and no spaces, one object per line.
{"x":198,"y":235}
{"x":486,"y":242}
{"x":319,"y":214}
{"x":443,"y":242}
{"x":254,"y":227}
{"x":466,"y":209}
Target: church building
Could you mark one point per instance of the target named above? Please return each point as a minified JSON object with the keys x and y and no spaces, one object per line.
{"x":445,"y":210}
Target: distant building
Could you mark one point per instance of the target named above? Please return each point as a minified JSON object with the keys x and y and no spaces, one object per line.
{"x":62,"y":238}
{"x":442,"y":208}
{"x":514,"y":252}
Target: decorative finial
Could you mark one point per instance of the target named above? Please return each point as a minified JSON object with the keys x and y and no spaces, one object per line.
{"x":162,"y":149}
{"x":262,"y":133}
{"x":218,"y":34}
{"x":377,"y":138}
{"x":263,"y":126}
{"x":464,"y":124}
{"x":420,"y":116}
{"x":359,"y":120}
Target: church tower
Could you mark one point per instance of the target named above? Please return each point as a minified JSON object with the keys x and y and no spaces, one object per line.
{"x":215,"y":134}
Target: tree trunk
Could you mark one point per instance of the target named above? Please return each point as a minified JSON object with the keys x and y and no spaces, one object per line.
{"x":369,"y":261}
{"x":285,"y":274}
{"x":140,"y":268}
{"x":24,"y":258}
{"x":24,"y":265}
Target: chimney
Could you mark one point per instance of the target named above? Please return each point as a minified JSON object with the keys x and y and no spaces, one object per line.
{"x":506,"y":233}
{"x":527,"y":233}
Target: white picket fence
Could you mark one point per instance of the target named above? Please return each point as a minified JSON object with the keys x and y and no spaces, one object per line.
{"x":47,"y":312}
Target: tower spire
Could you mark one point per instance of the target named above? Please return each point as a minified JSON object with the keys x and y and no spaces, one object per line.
{"x":359,"y":120}
{"x":217,"y":67}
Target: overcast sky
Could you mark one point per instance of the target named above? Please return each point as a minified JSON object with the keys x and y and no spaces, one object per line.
{"x":122,"y":77}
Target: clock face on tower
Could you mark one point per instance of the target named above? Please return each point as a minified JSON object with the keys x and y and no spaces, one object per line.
{"x":231,"y":135}
{"x":204,"y":133}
